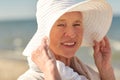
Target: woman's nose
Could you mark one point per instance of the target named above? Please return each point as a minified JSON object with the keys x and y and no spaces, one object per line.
{"x":70,"y":32}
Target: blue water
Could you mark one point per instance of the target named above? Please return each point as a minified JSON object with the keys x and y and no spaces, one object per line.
{"x":114,"y":32}
{"x":21,"y":31}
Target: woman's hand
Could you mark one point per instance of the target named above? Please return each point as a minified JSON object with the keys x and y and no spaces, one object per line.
{"x":102,"y":57}
{"x":46,"y":61}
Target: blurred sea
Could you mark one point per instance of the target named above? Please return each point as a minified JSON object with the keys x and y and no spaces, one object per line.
{"x":16,"y":33}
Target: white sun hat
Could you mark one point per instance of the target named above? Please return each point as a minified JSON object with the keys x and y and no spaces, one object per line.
{"x":97,"y":18}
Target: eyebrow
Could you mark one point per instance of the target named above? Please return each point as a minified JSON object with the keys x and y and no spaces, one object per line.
{"x":78,"y":21}
{"x":61,"y":20}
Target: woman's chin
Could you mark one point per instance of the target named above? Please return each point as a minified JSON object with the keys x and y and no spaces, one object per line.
{"x":69,"y":55}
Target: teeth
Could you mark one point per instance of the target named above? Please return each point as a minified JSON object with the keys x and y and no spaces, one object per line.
{"x":69,"y":44}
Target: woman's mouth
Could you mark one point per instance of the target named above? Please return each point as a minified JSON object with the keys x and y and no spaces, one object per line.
{"x":69,"y":44}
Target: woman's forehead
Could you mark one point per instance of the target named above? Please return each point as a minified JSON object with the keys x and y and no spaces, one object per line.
{"x":75,"y":16}
{"x":74,"y":13}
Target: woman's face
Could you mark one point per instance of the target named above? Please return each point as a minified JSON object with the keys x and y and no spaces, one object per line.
{"x":66,"y":34}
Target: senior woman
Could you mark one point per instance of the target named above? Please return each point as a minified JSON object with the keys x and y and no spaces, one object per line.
{"x":63,"y":27}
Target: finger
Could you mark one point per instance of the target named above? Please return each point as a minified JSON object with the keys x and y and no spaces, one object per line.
{"x":96,"y":46}
{"x":106,"y":50}
{"x":49,"y":52}
{"x":102,"y":43}
{"x":46,"y":40}
{"x":45,"y":48}
{"x":107,"y":43}
{"x":51,"y":55}
{"x":45,"y":54}
{"x":97,"y":54}
{"x":35,"y":56}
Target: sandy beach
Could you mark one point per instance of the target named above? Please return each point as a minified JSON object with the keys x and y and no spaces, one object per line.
{"x":10,"y":70}
{"x":12,"y":65}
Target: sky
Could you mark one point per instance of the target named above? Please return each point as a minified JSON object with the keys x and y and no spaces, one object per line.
{"x":17,"y":9}
{"x":25,"y":9}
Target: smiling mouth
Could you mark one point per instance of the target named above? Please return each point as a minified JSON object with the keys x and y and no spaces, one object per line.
{"x":69,"y":44}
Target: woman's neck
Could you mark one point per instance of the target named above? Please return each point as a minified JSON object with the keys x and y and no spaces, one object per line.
{"x":66,"y":61}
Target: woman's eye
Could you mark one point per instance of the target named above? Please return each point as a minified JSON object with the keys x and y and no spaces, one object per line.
{"x":76,"y":25}
{"x":61,"y":25}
